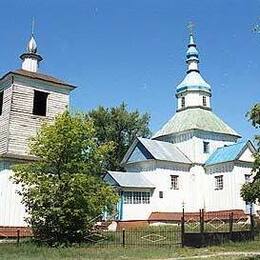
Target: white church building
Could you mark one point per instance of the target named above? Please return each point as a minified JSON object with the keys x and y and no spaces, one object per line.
{"x":195,"y":160}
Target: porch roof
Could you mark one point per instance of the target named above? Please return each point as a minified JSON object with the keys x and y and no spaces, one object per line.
{"x":128,"y":179}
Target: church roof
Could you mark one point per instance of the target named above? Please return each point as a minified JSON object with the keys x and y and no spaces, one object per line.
{"x":195,"y":118}
{"x":193,"y":81}
{"x":128,"y":179}
{"x":164,"y":151}
{"x":155,"y":150}
{"x":228,"y":153}
{"x":39,"y":76}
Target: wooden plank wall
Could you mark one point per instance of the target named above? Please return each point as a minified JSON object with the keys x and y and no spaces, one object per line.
{"x":23,"y":124}
{"x":4,"y":118}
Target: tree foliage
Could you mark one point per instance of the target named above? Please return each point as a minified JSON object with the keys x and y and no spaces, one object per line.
{"x":251,"y":191}
{"x":62,"y":190}
{"x":119,"y":126}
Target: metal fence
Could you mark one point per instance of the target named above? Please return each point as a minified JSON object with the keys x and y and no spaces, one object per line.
{"x":15,"y":234}
{"x":157,"y":236}
{"x":212,"y":228}
{"x":191,"y":229}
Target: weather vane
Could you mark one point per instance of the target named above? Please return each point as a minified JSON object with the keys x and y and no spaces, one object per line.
{"x":190,"y":27}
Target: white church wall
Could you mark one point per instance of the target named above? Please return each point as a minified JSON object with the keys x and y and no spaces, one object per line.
{"x":172,"y":199}
{"x":189,"y":191}
{"x":200,"y":156}
{"x":137,"y":211}
{"x":243,"y":170}
{"x":193,"y":147}
{"x":229,"y":197}
{"x":12,"y":211}
{"x":148,"y":165}
{"x":193,"y":99}
{"x":196,"y":189}
{"x":188,"y":148}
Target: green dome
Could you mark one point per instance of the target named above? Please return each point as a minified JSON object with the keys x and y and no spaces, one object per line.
{"x":195,"y":118}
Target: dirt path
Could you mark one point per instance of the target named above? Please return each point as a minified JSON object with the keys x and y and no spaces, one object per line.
{"x":246,"y":254}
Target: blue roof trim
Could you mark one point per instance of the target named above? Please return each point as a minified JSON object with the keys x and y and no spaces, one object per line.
{"x":226,"y":153}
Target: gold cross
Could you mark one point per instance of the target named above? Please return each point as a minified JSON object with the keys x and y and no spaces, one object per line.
{"x":190,"y":27}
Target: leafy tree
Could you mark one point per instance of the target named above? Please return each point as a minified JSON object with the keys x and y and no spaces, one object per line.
{"x":62,"y":190}
{"x":119,"y":126}
{"x":251,"y":191}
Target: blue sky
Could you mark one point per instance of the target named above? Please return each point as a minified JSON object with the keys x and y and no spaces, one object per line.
{"x":134,"y":51}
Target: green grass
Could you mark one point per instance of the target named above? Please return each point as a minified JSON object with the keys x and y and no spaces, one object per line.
{"x":30,"y":251}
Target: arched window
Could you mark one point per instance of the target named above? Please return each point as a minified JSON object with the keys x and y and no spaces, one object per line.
{"x":182,"y":102}
{"x":204,"y":101}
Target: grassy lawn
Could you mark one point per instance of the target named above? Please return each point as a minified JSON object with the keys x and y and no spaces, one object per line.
{"x":30,"y":251}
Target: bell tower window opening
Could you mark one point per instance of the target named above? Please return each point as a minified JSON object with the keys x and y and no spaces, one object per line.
{"x":182,"y":102}
{"x":40,"y":103}
{"x":1,"y":102}
{"x":204,"y":101}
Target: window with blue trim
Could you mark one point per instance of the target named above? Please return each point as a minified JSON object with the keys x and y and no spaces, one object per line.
{"x":137,"y":197}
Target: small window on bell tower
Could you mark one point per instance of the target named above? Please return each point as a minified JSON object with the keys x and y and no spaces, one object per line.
{"x":40,"y":103}
{"x":204,"y":101}
{"x":182,"y":102}
{"x":1,"y":102}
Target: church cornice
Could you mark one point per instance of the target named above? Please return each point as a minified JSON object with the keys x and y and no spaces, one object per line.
{"x":193,"y":107}
{"x":37,"y":76}
{"x":192,"y":89}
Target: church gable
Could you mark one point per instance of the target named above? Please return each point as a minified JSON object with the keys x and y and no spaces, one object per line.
{"x":147,"y":149}
{"x":241,"y":151}
{"x":108,"y":179}
{"x":247,"y":155}
{"x":139,"y":154}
